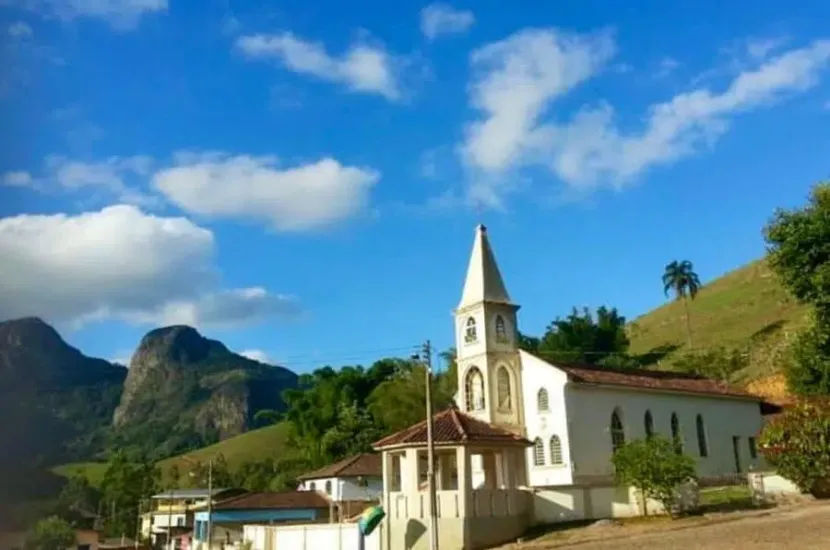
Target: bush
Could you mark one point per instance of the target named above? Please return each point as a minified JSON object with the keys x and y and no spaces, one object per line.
{"x":52,"y":533}
{"x":653,"y":467}
{"x":797,"y":444}
{"x":808,"y":370}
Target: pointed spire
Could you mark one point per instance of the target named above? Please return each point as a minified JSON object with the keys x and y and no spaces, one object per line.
{"x":484,"y":282}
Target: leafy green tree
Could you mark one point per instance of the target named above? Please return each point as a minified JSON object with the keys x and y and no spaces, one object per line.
{"x":52,"y":533}
{"x":799,"y":253}
{"x":717,"y":363}
{"x":654,"y":468}
{"x":680,"y":278}
{"x":797,"y":444}
{"x":76,"y":497}
{"x":585,"y":338}
{"x":527,"y":343}
{"x":126,"y":483}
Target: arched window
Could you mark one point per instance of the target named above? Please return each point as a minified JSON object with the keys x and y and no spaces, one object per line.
{"x":702,"y":444}
{"x":312,"y":486}
{"x":649,"y":422}
{"x":676,"y":436}
{"x":501,"y":331}
{"x":470,"y":334}
{"x":555,"y":450}
{"x":538,"y":452}
{"x":617,"y":431}
{"x":328,"y":487}
{"x":542,"y":404}
{"x":503,"y":390}
{"x":474,"y":390}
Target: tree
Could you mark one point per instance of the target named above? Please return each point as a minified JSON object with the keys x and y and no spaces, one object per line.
{"x":680,"y":278}
{"x":266,"y":417}
{"x":582,"y":337}
{"x":52,"y":533}
{"x":125,"y":485}
{"x":77,"y":497}
{"x":799,"y":253}
{"x":653,"y":467}
{"x":797,"y":444}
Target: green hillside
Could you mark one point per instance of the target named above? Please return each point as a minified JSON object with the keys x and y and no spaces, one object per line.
{"x":250,"y":446}
{"x":746,"y":307}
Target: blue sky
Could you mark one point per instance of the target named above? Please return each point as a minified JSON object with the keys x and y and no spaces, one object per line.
{"x":303,"y":181}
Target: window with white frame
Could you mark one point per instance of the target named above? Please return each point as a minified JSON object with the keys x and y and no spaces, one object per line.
{"x":538,"y":452}
{"x":503,"y":390}
{"x":470,"y":333}
{"x":542,"y":404}
{"x":555,"y":450}
{"x":474,"y":390}
{"x":328,"y":487}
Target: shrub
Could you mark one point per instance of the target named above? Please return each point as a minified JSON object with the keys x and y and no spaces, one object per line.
{"x":52,"y":533}
{"x":797,"y":444}
{"x":653,"y":467}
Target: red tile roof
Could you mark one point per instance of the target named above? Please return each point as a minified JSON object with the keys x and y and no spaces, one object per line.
{"x":366,"y":464}
{"x":451,"y":427}
{"x":272,"y":501}
{"x":651,"y":379}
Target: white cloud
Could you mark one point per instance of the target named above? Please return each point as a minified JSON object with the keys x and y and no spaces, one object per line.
{"x":115,"y":176}
{"x":520,"y":78}
{"x":256,"y":355}
{"x":362,"y":68}
{"x":289,"y":199}
{"x":120,"y":263}
{"x":760,"y":48}
{"x":667,"y":65}
{"x":120,"y":14}
{"x":439,"y":18}
{"x":18,"y":178}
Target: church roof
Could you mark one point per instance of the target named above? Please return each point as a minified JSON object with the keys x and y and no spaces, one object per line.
{"x":451,"y":427}
{"x":651,"y":379}
{"x":483,"y":282}
{"x":366,"y":464}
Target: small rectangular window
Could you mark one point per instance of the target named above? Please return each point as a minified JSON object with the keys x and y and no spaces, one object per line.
{"x":753,"y":450}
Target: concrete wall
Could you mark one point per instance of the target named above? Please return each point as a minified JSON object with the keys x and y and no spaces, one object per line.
{"x":770,"y":483}
{"x":336,"y":536}
{"x":590,"y":409}
{"x":582,"y":502}
{"x":536,"y":375}
{"x":346,"y":488}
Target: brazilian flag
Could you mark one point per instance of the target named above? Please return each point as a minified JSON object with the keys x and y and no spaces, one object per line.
{"x":370,"y":518}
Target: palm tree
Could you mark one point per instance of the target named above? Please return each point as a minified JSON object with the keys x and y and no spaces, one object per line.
{"x":681,"y":278}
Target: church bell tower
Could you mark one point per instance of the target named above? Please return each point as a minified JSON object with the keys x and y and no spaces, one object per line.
{"x":489,"y":367}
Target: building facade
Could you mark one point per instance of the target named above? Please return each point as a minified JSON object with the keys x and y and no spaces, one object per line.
{"x":576,"y":415}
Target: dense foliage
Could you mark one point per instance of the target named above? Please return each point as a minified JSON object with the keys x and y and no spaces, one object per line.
{"x":52,"y":533}
{"x":797,"y":443}
{"x":655,"y":468}
{"x":717,"y":363}
{"x":799,"y":253}
{"x":127,"y":484}
{"x":583,"y":337}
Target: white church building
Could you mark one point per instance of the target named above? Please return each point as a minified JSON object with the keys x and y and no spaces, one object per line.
{"x":532,"y":440}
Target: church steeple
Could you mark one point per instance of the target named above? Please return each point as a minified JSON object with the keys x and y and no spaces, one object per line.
{"x":489,"y":367}
{"x":483,"y":282}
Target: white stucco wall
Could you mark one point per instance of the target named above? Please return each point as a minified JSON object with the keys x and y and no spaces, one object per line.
{"x":346,"y":488}
{"x":590,"y":408}
{"x":537,"y":374}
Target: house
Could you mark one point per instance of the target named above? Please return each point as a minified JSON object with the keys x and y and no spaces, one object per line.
{"x":172,"y":512}
{"x":228,"y":517}
{"x":532,"y":440}
{"x":357,"y":478}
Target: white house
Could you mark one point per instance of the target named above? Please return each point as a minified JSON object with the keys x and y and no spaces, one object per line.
{"x":357,"y":478}
{"x":172,"y":511}
{"x":575,"y":415}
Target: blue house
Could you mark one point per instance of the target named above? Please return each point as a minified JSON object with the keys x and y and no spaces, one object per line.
{"x":229,"y":516}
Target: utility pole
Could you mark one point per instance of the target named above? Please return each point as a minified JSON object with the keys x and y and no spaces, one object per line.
{"x":433,"y":523}
{"x":170,"y":521}
{"x":210,"y":503}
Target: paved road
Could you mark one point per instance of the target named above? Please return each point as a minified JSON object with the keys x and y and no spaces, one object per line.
{"x":805,"y":528}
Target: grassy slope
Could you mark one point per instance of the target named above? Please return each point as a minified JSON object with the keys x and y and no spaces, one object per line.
{"x":746,"y":307}
{"x":253,"y":445}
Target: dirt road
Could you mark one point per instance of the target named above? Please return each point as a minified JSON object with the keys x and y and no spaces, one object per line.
{"x":802,"y":528}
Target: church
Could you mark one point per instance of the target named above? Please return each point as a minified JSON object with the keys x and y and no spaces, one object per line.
{"x":530,"y":441}
{"x":576,"y":415}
